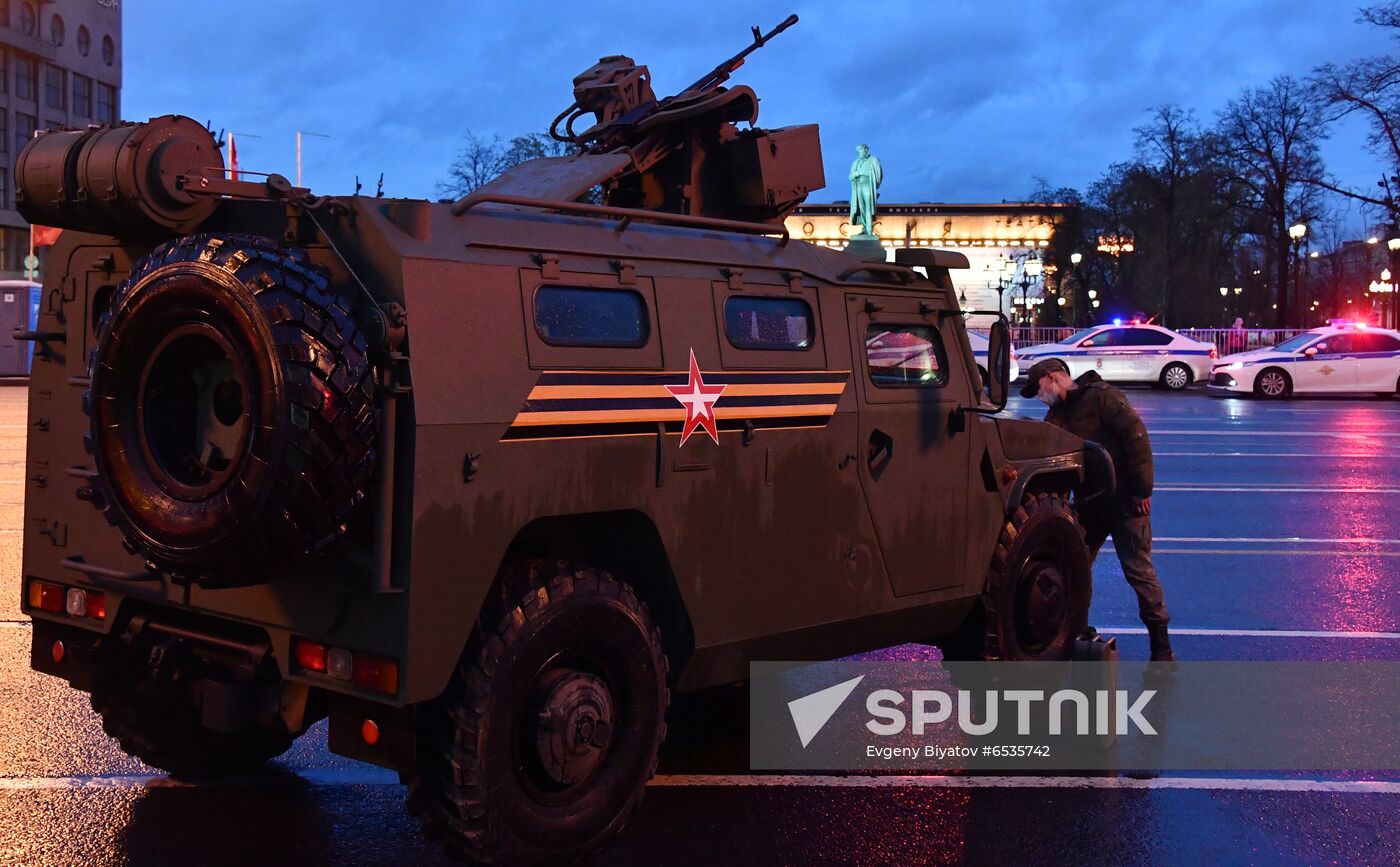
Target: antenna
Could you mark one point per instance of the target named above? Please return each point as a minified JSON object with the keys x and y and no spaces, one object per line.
{"x":379,"y":193}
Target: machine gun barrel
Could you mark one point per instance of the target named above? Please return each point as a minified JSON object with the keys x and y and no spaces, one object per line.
{"x":717,"y":76}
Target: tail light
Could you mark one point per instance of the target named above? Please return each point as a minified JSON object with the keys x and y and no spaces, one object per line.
{"x":362,"y":670}
{"x":74,"y":601}
{"x":1214,"y":353}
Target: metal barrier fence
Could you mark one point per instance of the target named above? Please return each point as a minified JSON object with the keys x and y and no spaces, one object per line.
{"x":1226,"y":340}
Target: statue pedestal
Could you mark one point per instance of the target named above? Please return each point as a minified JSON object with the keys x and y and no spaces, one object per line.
{"x":866,"y":247}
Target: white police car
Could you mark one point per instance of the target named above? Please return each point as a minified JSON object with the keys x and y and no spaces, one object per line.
{"x":1130,"y":352}
{"x":1342,"y":357}
{"x":979,"y":352}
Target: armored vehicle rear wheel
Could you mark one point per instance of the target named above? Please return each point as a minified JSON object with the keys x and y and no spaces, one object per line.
{"x":231,"y":409}
{"x":544,"y":740}
{"x":1036,"y":599}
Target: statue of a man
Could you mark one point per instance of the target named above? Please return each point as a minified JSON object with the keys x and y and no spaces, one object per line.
{"x":866,"y":176}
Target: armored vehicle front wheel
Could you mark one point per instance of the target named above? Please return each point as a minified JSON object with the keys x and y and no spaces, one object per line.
{"x":231,"y":409}
{"x":1036,"y":599}
{"x":545,"y":738}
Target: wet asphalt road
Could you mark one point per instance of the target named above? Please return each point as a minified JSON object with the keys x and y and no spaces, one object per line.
{"x":1278,"y":537}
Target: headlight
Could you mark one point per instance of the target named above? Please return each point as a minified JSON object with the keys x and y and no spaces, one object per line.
{"x":1234,"y":365}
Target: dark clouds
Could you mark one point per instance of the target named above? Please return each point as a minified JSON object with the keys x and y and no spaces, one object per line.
{"x":962,"y":101}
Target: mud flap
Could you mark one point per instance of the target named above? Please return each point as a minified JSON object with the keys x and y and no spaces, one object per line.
{"x":375,"y":733}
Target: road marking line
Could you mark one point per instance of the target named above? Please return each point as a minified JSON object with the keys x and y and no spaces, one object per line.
{"x":1347,"y":455}
{"x":1272,"y":433}
{"x":1357,"y":540}
{"x":346,"y":777}
{"x":1006,"y":782}
{"x":1253,"y":633}
{"x":1266,"y":552}
{"x":1260,"y":489}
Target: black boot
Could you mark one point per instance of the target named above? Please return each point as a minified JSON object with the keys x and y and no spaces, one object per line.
{"x":1161,"y":643}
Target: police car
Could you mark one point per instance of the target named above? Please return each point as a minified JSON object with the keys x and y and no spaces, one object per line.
{"x":1130,"y":352}
{"x":1341,"y":357}
{"x":979,"y":353}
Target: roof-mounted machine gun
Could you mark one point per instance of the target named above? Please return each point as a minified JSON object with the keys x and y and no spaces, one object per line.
{"x":687,"y":156}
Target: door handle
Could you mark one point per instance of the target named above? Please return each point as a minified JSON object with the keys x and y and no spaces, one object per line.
{"x":881,"y":449}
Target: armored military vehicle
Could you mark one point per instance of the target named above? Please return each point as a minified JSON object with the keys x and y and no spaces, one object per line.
{"x":484,"y":482}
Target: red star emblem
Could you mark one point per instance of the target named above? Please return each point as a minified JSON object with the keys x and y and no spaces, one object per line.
{"x":699,"y":402}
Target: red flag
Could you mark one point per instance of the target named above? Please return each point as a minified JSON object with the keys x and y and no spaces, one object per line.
{"x":232,"y":159}
{"x":45,"y":236}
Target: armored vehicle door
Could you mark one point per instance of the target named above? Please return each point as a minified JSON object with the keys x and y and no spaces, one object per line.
{"x":913,"y":461}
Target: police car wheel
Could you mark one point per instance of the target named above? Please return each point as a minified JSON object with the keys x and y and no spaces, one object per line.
{"x":231,"y":411}
{"x":548,"y":732}
{"x":1036,"y":599}
{"x":1273,"y":383}
{"x":1176,"y":376}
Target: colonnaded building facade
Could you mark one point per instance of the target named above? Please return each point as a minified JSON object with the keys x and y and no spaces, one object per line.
{"x":1006,"y":244}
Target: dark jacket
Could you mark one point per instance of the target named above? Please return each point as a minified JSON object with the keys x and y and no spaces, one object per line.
{"x":1097,"y":411}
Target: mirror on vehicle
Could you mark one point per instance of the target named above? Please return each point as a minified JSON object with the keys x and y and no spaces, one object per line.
{"x":999,"y":363}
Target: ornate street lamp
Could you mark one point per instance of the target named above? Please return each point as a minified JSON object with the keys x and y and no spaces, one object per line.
{"x":1296,"y":232}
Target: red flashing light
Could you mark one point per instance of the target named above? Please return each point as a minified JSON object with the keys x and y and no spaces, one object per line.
{"x":310,"y":655}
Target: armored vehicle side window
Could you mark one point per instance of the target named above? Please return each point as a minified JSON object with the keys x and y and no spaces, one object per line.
{"x":569,"y":316}
{"x":905,"y":355}
{"x":768,"y":323}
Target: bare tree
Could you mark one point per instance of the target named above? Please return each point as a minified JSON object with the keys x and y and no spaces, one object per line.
{"x":1268,"y":138}
{"x":1370,"y":88}
{"x":482,"y":160}
{"x":478,"y":161}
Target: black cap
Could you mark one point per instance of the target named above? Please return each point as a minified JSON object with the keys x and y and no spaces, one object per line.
{"x":1039,"y":371}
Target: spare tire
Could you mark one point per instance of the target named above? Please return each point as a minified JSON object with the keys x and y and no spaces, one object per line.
{"x":231,"y":409}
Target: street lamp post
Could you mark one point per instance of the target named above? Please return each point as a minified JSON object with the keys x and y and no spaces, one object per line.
{"x":1076,"y":312}
{"x":1389,"y":317}
{"x":1028,"y":276}
{"x":1296,"y":233}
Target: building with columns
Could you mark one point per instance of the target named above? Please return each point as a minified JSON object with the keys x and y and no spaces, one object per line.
{"x":1006,"y":244}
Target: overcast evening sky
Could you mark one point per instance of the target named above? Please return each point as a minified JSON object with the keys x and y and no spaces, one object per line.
{"x":962,"y":100}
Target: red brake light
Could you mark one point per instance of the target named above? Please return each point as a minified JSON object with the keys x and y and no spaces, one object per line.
{"x":380,"y":675}
{"x":1214,"y":353}
{"x":310,"y":655}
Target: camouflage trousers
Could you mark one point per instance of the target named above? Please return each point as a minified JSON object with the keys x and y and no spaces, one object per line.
{"x":1132,"y":539}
